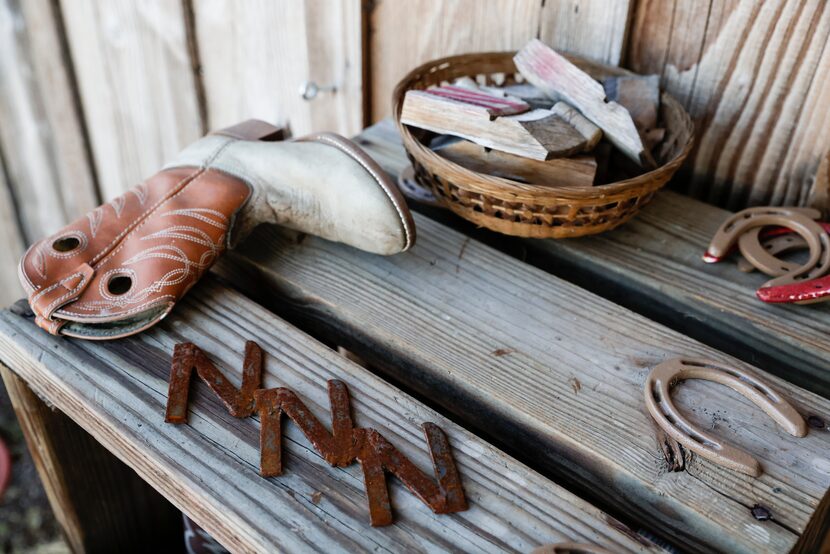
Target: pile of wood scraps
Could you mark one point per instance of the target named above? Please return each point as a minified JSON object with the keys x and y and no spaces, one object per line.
{"x":559,"y":127}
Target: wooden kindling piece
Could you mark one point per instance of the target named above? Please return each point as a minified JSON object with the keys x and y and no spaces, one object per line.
{"x":578,"y":171}
{"x":536,"y":134}
{"x":561,"y":80}
{"x":340,"y":447}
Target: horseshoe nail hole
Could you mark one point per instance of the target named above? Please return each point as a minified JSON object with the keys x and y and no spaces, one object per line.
{"x":66,"y":244}
{"x":119,"y":284}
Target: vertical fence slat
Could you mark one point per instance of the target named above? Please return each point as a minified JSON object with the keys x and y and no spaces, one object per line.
{"x":335,"y":49}
{"x":407,"y":34}
{"x":40,"y":129}
{"x":136,"y":85}
{"x":755,"y":76}
{"x":12,"y":246}
{"x":595,"y":29}
{"x":255,"y":67}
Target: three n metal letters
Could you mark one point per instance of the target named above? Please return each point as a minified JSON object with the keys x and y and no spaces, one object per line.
{"x":342,"y":446}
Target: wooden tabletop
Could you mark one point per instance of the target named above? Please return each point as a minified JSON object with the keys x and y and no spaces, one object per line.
{"x":536,"y":380}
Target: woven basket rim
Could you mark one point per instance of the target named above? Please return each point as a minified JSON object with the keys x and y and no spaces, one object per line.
{"x":491,"y":184}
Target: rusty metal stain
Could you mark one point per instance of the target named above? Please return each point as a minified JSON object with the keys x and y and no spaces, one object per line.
{"x":343,"y":446}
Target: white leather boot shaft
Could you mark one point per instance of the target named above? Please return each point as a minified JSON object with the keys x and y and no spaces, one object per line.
{"x":322,"y":185}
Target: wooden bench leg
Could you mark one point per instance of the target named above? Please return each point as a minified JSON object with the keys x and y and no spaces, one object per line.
{"x":101,"y":504}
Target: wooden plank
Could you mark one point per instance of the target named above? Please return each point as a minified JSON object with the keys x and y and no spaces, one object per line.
{"x":136,"y":84}
{"x":538,"y":135}
{"x":100,"y":503}
{"x":575,"y":171}
{"x":117,"y":391}
{"x":595,"y":30}
{"x":755,"y":77}
{"x":653,"y":266}
{"x":550,"y":71}
{"x":254,"y":67}
{"x":12,"y":241}
{"x":407,"y":34}
{"x":41,"y":136}
{"x":478,"y":332}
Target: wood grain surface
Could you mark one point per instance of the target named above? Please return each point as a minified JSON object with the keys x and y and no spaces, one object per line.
{"x":755,"y":76}
{"x":136,"y":86}
{"x":256,"y":66}
{"x":404,"y":35}
{"x":553,"y":371}
{"x":12,"y":241}
{"x":41,"y":137}
{"x":653,"y":266}
{"x":100,"y":503}
{"x":117,"y":391}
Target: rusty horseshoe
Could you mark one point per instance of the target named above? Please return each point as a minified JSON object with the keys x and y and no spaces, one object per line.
{"x":775,"y":246}
{"x":666,"y":375}
{"x":799,"y":220}
{"x":784,"y":272}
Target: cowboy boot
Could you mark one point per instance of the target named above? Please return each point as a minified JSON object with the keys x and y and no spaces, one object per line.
{"x":122,"y":267}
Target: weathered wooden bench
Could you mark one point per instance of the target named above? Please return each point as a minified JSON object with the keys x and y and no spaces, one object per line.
{"x":208,"y":468}
{"x":541,"y":368}
{"x":557,"y":371}
{"x":652,"y":265}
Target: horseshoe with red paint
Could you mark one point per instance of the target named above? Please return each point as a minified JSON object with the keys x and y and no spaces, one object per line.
{"x":775,"y":246}
{"x":799,"y":220}
{"x":804,"y":292}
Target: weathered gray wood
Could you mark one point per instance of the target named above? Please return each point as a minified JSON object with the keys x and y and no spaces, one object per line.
{"x":12,"y":245}
{"x":136,"y":85}
{"x":407,"y":34}
{"x":755,"y":77}
{"x":552,"y":370}
{"x":100,"y":503}
{"x":256,"y":55}
{"x":41,"y":136}
{"x":653,"y":265}
{"x":117,"y":391}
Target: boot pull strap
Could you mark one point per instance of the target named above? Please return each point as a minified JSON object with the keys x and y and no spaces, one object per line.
{"x":254,"y":129}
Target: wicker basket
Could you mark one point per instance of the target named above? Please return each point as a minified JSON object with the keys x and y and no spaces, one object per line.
{"x":528,"y":210}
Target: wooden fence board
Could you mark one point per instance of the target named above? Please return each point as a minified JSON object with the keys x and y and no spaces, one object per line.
{"x":255,"y":67}
{"x":557,"y":371}
{"x":755,"y":76}
{"x":10,"y":288}
{"x":594,"y":29}
{"x":136,"y":85}
{"x":117,"y":390}
{"x":41,"y":137}
{"x":404,"y":35}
